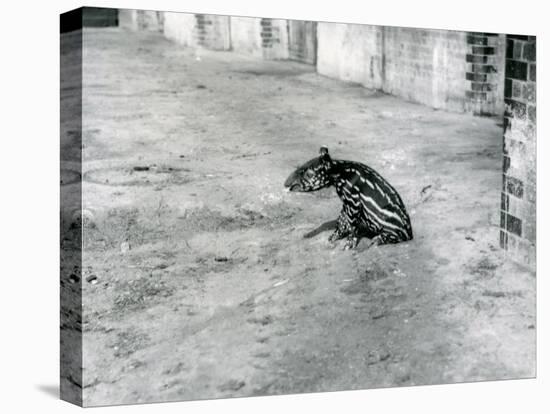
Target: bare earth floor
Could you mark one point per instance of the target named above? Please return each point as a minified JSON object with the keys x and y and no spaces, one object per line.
{"x":198,"y":281}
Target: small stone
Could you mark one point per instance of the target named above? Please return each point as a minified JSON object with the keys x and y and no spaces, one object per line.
{"x":378,"y":315}
{"x":124,"y":247}
{"x":385,"y":356}
{"x":92,"y":279}
{"x":74,"y":278}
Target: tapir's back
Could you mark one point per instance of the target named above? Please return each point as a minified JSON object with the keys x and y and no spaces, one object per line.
{"x":371,"y":197}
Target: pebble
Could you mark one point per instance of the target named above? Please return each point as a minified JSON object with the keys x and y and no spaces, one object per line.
{"x":92,"y":279}
{"x":124,"y":247}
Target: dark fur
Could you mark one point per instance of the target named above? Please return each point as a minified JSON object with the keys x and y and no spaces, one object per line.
{"x":371,"y":206}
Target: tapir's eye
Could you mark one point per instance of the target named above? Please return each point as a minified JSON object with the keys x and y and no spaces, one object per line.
{"x":308,"y":174}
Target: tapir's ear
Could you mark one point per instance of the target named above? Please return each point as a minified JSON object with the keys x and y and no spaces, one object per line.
{"x":323,"y":150}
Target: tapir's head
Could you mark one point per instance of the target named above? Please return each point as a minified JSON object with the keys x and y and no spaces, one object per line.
{"x":313,"y":175}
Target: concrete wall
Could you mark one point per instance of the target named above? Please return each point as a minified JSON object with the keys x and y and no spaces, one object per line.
{"x":131,"y":19}
{"x":262,"y":38}
{"x":518,"y":206}
{"x":246,"y":36}
{"x":350,"y":52}
{"x":425,"y":66}
{"x":180,"y":27}
{"x":127,"y":19}
{"x":198,"y":30}
{"x":438,"y":68}
{"x":151,"y":20}
{"x":213,"y":32}
{"x":275,"y":38}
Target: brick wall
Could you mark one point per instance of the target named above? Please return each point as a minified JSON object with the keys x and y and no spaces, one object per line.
{"x":262,"y":38}
{"x":246,"y":36}
{"x":131,"y":19}
{"x":212,"y":31}
{"x":485,"y":73}
{"x":518,"y":208}
{"x":206,"y":31}
{"x":267,"y":33}
{"x":425,"y":66}
{"x":274,"y":36}
{"x":441,"y":68}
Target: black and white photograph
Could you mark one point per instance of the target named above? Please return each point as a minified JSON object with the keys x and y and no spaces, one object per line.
{"x":248,"y":207}
{"x":261,"y":206}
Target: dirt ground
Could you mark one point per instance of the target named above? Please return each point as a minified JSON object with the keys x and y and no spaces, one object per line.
{"x":197,"y":279}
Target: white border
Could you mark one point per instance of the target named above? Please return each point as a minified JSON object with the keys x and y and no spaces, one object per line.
{"x":29,"y":203}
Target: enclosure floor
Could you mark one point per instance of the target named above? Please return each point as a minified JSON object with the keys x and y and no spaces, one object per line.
{"x":204,"y":284}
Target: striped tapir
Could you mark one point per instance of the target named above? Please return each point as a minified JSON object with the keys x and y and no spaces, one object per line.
{"x":371,"y":206}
